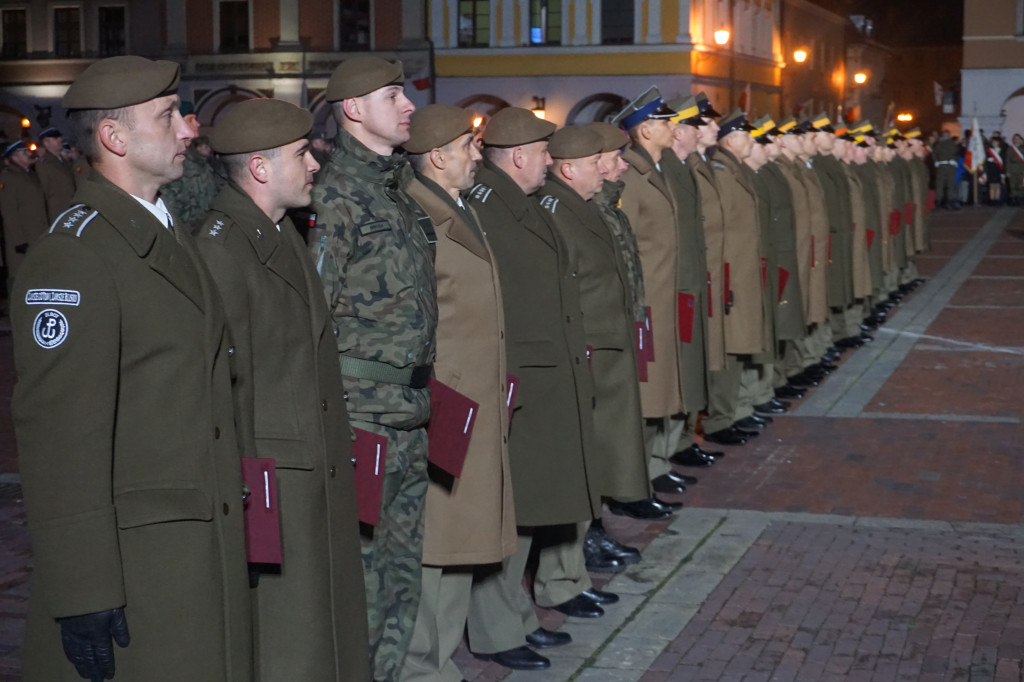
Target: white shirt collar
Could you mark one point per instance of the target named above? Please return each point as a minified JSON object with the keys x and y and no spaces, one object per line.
{"x":159,"y":210}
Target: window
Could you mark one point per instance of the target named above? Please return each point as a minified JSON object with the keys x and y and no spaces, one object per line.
{"x":67,"y":32}
{"x":545,"y":22}
{"x":234,"y":26}
{"x":112,"y":33}
{"x":474,"y":23}
{"x":617,"y":21}
{"x":15,"y":34}
{"x":354,"y":23}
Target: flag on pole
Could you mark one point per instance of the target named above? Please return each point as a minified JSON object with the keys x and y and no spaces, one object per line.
{"x":974,"y":158}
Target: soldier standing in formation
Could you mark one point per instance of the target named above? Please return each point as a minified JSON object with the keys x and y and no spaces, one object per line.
{"x":22,"y":206}
{"x":56,"y":175}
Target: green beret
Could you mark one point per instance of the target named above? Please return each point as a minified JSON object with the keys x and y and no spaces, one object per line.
{"x":611,"y":135}
{"x":575,"y":142}
{"x":122,"y":82}
{"x":435,"y":125}
{"x":360,"y":76}
{"x":257,"y":124}
{"x":513,"y":126}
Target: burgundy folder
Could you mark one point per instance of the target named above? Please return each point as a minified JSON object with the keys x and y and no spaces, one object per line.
{"x":687,"y":304}
{"x":450,"y":428}
{"x":262,"y":520}
{"x":370,"y":451}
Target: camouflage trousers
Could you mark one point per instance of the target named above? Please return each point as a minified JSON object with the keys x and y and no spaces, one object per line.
{"x":392,"y":555}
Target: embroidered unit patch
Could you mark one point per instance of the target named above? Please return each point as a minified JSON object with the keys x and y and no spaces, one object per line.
{"x":50,"y":328}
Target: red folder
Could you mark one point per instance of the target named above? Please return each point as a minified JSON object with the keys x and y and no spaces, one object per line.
{"x":370,"y":452}
{"x":869,"y":235}
{"x":262,"y":519}
{"x":641,"y":352}
{"x":783,"y":278}
{"x":711,"y":301}
{"x":894,"y":223}
{"x":512,"y":381}
{"x":650,"y":334}
{"x":764,"y":273}
{"x":910,"y":212}
{"x":450,"y":428}
{"x":931,"y":200}
{"x":687,"y":308}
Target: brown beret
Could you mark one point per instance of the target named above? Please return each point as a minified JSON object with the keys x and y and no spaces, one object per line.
{"x":612,"y":136}
{"x":257,"y":124}
{"x":435,"y":125}
{"x":121,"y":82}
{"x":360,"y":76}
{"x":575,"y":142}
{"x":513,"y":126}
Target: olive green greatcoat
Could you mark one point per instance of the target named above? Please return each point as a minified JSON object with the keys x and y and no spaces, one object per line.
{"x":873,"y":228}
{"x":692,"y":277}
{"x":608,"y":326}
{"x":789,"y":310}
{"x":22,"y":214}
{"x":839,"y":270}
{"x":861,"y":268}
{"x":744,"y":322}
{"x":650,"y":207}
{"x":900,"y":172}
{"x":128,"y":450}
{"x":818,"y":254}
{"x":311,"y":615}
{"x":766,"y":213}
{"x":886,"y":202}
{"x":551,"y":436}
{"x":470,"y":519}
{"x":919,"y":175}
{"x":801,"y":229}
{"x":58,"y":181}
{"x":713,"y":221}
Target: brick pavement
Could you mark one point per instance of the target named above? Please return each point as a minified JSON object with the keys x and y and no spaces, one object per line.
{"x":873,"y":538}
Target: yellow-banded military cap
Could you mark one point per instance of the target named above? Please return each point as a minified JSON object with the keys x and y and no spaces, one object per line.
{"x":822,"y":123}
{"x":789,"y":127}
{"x":895,"y":134}
{"x":912,"y":133}
{"x":687,"y":111}
{"x":612,"y":136}
{"x":762,"y":129}
{"x":648,"y":104}
{"x":122,"y":82}
{"x":362,"y":75}
{"x":734,"y":122}
{"x":253,"y":125}
{"x":435,"y":125}
{"x":575,"y":142}
{"x":704,"y":104}
{"x":513,"y":126}
{"x":860,"y":141}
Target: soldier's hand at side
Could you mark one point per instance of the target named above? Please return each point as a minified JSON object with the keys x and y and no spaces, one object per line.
{"x":86,"y":641}
{"x":21,"y":248}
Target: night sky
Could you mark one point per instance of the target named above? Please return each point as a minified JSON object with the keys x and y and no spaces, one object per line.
{"x":907,"y":22}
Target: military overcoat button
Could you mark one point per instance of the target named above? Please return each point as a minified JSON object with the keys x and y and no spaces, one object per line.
{"x":323,"y":405}
{"x":333,"y":471}
{"x":231,"y":351}
{"x":216,"y":432}
{"x":226,"y":509}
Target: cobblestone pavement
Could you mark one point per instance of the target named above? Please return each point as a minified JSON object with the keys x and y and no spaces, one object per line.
{"x":874,"y":533}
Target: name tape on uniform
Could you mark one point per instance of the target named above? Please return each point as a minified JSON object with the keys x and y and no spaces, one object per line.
{"x":52,"y":297}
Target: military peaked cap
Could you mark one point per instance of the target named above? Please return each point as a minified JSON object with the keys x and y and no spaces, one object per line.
{"x":648,"y":104}
{"x":764,"y":126}
{"x":789,"y":126}
{"x":704,"y":104}
{"x":575,"y":142}
{"x":17,"y":146}
{"x":736,"y":121}
{"x":513,"y":126}
{"x":362,"y":75}
{"x":612,"y":135}
{"x":435,"y":125}
{"x":122,"y":82}
{"x":50,"y":132}
{"x":258,"y":124}
{"x":687,"y":111}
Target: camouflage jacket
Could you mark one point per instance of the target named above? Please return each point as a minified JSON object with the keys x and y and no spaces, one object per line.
{"x":377,"y":267}
{"x":607,"y":203}
{"x":190,"y":196}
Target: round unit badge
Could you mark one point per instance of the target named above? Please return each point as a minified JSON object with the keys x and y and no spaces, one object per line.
{"x":50,"y":328}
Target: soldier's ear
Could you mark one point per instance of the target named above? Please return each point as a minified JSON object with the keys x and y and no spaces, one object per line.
{"x":112,"y":136}
{"x":567,"y":169}
{"x":438,"y":159}
{"x":518,"y":158}
{"x":352,"y":108}
{"x":259,"y":169}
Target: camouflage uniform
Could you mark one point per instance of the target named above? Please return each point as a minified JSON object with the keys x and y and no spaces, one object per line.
{"x":376,"y":263}
{"x":607,"y":203}
{"x":190,"y":196}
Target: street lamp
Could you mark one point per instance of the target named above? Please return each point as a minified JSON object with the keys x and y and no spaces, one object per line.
{"x":538,"y":107}
{"x":722,"y":36}
{"x":905,"y":117}
{"x":860,"y":78}
{"x":800,"y":56}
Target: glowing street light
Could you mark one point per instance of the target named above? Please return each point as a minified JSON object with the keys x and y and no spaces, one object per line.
{"x":25,"y":123}
{"x":860,"y":78}
{"x":477,"y":121}
{"x":539,"y":107}
{"x":905,"y":117}
{"x":722,"y":36}
{"x":800,"y":56}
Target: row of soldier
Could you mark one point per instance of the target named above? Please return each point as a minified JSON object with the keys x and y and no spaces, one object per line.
{"x":603,"y":294}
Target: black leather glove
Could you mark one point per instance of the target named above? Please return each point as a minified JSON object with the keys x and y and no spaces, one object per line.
{"x":86,"y":641}
{"x":21,"y":248}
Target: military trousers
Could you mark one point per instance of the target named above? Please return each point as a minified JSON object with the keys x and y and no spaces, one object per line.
{"x":662,"y":437}
{"x":561,"y":566}
{"x":687,"y":426}
{"x":724,"y":394}
{"x":393,"y":550}
{"x":945,"y":185}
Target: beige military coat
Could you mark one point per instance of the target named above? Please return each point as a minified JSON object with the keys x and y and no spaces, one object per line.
{"x":802,"y":229}
{"x":861,"y":266}
{"x":293,"y":410}
{"x":608,"y":326}
{"x":713,"y":221}
{"x":648,"y":203}
{"x":470,"y":519}
{"x":125,"y":422}
{"x":744,"y":321}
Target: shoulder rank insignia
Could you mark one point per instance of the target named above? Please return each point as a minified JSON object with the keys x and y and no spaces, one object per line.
{"x":480,"y":192}
{"x":216,"y":228}
{"x":74,"y":220}
{"x":549,"y":203}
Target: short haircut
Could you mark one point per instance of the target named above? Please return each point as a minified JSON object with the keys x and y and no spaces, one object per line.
{"x":237,"y":165}
{"x":496,"y":154}
{"x":85,"y":122}
{"x":418,"y":161}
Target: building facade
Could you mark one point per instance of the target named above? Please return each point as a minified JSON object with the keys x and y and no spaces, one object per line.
{"x":992,"y":83}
